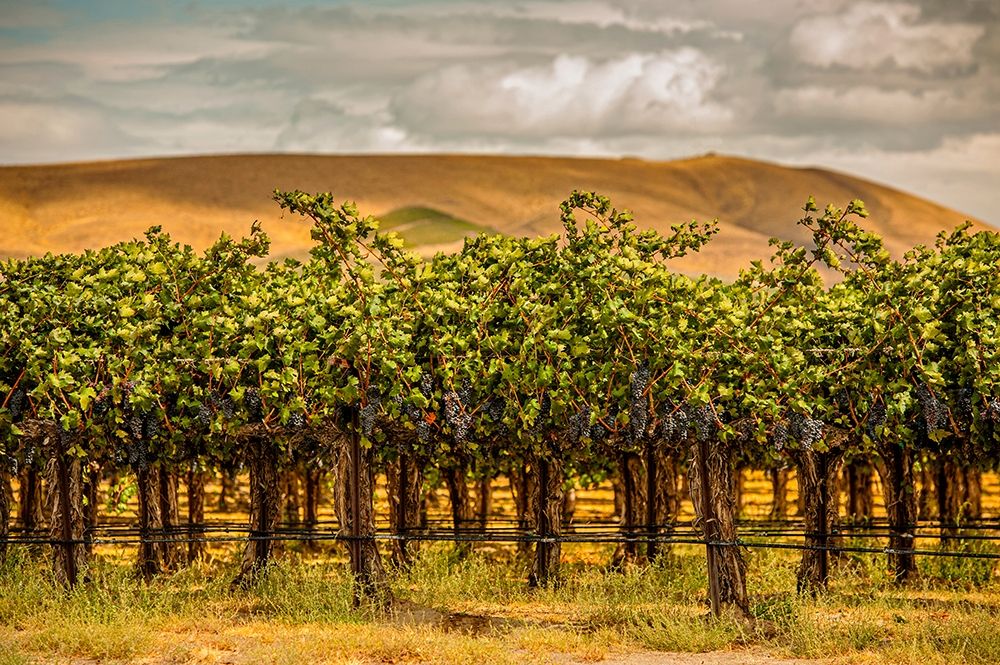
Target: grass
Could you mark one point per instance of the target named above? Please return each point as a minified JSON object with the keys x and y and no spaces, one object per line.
{"x":478,"y":610}
{"x":425,"y":226}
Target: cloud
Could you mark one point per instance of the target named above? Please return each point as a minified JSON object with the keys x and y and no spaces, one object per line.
{"x":881,"y":88}
{"x":869,"y":35}
{"x":58,"y":130}
{"x":602,"y":15}
{"x":876,"y":106}
{"x":568,"y":96}
{"x":319,"y":126}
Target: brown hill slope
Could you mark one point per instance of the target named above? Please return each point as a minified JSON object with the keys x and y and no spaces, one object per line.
{"x":74,"y":206}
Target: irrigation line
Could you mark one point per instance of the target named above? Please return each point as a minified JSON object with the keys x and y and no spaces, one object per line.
{"x":472,"y":537}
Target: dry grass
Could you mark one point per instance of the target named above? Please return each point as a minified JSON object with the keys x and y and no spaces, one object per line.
{"x":75,"y":206}
{"x":478,"y":610}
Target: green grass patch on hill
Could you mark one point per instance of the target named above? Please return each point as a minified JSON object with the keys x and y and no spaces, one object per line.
{"x":426,"y":226}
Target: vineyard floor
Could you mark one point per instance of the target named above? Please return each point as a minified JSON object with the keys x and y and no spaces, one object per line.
{"x":478,"y":609}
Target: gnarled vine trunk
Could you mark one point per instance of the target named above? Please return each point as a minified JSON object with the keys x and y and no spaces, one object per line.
{"x":927,"y":495}
{"x":265,"y":508}
{"x":404,"y":481}
{"x":484,"y":502}
{"x":948,"y":479}
{"x":817,"y":473}
{"x":292,"y":508}
{"x":972,"y":493}
{"x":313,"y":497}
{"x":569,"y":506}
{"x":461,"y":503}
{"x":779,"y":493}
{"x":30,"y":506}
{"x":739,"y":490}
{"x":92,"y":486}
{"x":662,"y":473}
{"x":355,"y":491}
{"x":171,"y":549}
{"x":196,"y":512}
{"x":522,"y":488}
{"x":64,"y":479}
{"x":711,"y":479}
{"x":228,"y":494}
{"x":900,"y":489}
{"x":150,"y":556}
{"x":633,"y":494}
{"x":546,"y":500}
{"x":860,"y":491}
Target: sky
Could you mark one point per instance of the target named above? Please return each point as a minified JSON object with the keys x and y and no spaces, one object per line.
{"x":905,"y":93}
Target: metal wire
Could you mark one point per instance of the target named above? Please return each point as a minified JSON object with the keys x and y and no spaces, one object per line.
{"x":589,"y":534}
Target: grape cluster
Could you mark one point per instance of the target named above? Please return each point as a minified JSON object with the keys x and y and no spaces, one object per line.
{"x":134,"y":424}
{"x":639,"y":382}
{"x":638,"y":407}
{"x":29,"y":454}
{"x":426,"y":385}
{"x":452,"y":406}
{"x":465,"y":392}
{"x":877,"y":416}
{"x":598,"y":432}
{"x":702,"y":421}
{"x":18,"y":400}
{"x":495,"y":410}
{"x":805,"y":429}
{"x":934,"y":411}
{"x":780,"y":435}
{"x":253,"y":403}
{"x":423,"y":431}
{"x":456,"y":416}
{"x":579,"y":425}
{"x":102,"y":404}
{"x":138,"y":455}
{"x":222,"y":403}
{"x":369,"y":413}
{"x":152,"y":425}
{"x":204,"y":415}
{"x":963,"y":403}
{"x":674,"y":423}
{"x":415,"y":416}
{"x":993,"y":409}
{"x":297,"y":420}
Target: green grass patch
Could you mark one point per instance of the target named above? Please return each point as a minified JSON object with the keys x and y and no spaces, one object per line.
{"x":426,"y":226}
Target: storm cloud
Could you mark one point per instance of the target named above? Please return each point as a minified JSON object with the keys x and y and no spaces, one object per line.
{"x":907,"y":93}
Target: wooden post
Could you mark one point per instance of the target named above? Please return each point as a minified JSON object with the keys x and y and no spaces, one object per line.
{"x":262,"y":548}
{"x":628,"y":511}
{"x":711,"y":531}
{"x":62,"y":469}
{"x":401,"y":512}
{"x":824,"y":555}
{"x":651,"y":500}
{"x":541,"y":578}
{"x":355,"y":499}
{"x":4,"y":514}
{"x":196,"y":512}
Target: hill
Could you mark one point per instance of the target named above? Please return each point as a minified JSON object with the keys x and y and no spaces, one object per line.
{"x":436,"y":200}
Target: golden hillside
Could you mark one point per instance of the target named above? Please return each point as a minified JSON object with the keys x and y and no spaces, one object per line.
{"x":434,"y":200}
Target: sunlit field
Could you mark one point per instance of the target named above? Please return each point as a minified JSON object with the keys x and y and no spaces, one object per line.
{"x":477,"y":608}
